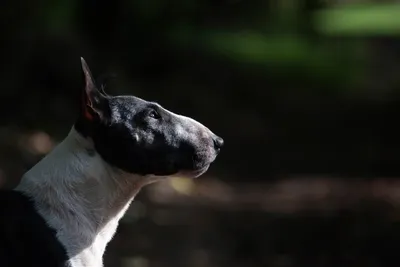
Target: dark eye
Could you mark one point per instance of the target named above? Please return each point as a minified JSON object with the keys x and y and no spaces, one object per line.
{"x":154,"y":114}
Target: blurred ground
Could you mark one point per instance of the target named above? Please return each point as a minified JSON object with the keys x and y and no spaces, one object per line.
{"x":305,"y":93}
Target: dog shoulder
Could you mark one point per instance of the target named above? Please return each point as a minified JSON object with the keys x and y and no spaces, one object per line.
{"x":25,"y":238}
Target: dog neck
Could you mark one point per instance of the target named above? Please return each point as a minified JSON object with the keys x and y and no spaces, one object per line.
{"x":81,"y":197}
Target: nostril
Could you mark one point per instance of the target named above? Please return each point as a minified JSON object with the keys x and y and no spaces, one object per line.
{"x":218,"y":142}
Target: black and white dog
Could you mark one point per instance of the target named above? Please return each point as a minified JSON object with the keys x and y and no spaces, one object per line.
{"x":67,"y":207}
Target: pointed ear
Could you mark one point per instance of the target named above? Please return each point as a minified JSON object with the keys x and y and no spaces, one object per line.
{"x":94,"y":103}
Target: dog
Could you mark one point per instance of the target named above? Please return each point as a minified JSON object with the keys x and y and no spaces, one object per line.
{"x":66,"y":208}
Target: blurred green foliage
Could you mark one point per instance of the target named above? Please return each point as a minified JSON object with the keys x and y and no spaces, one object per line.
{"x":362,"y":19}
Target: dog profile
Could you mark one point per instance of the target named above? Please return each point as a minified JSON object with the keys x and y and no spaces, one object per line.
{"x":66,"y":208}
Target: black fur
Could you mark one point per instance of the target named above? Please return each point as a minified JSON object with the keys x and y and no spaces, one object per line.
{"x":26,"y":240}
{"x":124,"y":141}
{"x":141,"y":137}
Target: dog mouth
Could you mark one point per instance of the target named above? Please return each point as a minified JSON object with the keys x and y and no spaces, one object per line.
{"x":198,"y":172}
{"x":195,"y":173}
{"x":200,"y":164}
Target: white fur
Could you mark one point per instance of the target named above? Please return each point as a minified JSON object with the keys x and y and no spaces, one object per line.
{"x":82,"y":197}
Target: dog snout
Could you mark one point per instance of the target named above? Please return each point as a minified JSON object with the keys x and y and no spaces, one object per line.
{"x":218,"y":142}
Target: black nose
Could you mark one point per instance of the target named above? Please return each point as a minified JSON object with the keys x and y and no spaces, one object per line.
{"x":218,"y":142}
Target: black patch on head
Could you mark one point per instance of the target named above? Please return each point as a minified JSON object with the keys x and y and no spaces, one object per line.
{"x":141,"y":137}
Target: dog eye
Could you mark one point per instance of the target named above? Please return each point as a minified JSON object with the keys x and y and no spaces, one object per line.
{"x":154,"y":114}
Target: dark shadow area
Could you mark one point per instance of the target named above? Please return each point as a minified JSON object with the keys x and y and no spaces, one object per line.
{"x":305,"y":94}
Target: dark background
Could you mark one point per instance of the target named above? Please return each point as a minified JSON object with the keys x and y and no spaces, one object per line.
{"x":305,"y":93}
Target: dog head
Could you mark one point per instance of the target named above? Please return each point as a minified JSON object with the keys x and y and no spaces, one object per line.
{"x":143,"y":138}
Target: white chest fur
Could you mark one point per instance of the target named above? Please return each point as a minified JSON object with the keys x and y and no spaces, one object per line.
{"x":81,"y":197}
